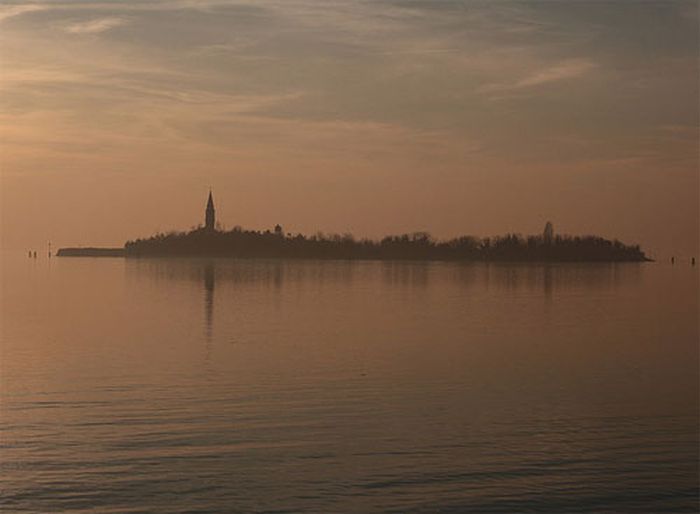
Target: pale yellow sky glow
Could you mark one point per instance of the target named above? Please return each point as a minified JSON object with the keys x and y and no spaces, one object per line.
{"x":372,"y":117}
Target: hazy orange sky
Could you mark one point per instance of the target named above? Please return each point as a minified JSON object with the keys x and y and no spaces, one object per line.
{"x":372,"y":117}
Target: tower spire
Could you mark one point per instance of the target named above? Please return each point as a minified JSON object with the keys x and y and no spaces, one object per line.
{"x":210,"y":214}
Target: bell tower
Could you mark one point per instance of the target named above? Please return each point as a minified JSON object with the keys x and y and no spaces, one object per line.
{"x":210,"y":216}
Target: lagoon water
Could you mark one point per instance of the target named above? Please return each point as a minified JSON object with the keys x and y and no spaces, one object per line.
{"x":161,"y":385}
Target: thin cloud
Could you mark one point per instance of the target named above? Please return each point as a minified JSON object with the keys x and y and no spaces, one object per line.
{"x":95,"y":26}
{"x":565,"y":70}
{"x":16,"y":10}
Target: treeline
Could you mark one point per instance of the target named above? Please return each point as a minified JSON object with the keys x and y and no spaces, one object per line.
{"x":416,"y":246}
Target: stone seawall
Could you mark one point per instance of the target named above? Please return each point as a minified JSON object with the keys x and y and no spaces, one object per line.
{"x":90,"y":252}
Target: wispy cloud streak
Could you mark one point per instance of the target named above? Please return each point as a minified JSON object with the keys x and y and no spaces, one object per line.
{"x":16,"y":10}
{"x":95,"y":26}
{"x":564,"y":70}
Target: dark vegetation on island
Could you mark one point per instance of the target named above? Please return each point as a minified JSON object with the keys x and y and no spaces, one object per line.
{"x":206,"y":242}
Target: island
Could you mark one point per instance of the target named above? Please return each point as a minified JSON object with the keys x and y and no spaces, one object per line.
{"x":208,"y":241}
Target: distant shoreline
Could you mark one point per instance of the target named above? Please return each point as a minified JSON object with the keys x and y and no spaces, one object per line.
{"x":419,"y":246}
{"x":119,"y":253}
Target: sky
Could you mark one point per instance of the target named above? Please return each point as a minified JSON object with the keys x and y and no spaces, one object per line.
{"x":372,"y":117}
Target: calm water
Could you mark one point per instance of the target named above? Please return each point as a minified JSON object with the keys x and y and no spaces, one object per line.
{"x":277,"y":386}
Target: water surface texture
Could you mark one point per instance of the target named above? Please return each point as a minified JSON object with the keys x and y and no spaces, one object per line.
{"x":161,"y":385}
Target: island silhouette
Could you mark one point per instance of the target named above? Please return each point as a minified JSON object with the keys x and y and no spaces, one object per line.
{"x":208,"y":241}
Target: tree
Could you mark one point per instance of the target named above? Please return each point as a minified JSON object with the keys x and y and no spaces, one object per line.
{"x":548,"y":235}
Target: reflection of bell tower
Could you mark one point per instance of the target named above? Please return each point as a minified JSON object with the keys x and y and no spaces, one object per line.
{"x":209,"y":280}
{"x":210,"y":217}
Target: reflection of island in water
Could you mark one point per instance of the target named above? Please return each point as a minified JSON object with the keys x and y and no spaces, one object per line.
{"x":234,"y":276}
{"x":279,"y":273}
{"x":207,"y":241}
